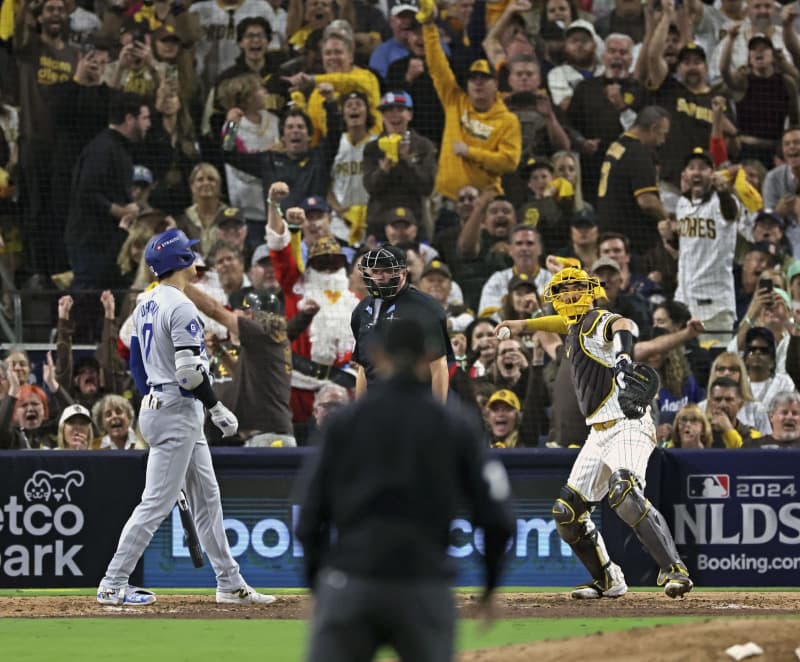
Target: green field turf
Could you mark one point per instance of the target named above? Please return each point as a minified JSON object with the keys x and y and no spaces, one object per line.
{"x":136,"y":639}
{"x":174,"y":640}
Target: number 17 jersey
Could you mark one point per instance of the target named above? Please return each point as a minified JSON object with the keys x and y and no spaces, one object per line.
{"x":163,"y":320}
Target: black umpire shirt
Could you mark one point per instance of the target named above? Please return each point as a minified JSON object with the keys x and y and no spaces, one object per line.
{"x":628,"y":170}
{"x":393,"y":470}
{"x":371,"y":314}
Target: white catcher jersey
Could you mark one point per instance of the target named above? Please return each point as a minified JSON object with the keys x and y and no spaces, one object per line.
{"x":705,"y":259}
{"x":166,"y":319}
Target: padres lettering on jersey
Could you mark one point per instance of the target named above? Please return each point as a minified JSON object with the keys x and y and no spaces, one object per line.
{"x":51,"y":71}
{"x":348,"y":168}
{"x":588,"y":348}
{"x":693,"y":110}
{"x":475,"y":127}
{"x":693,"y":226}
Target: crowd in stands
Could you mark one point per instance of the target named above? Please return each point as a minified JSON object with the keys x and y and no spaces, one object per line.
{"x":655,"y":143}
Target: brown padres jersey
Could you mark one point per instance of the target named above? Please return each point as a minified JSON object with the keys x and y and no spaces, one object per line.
{"x":591,"y":356}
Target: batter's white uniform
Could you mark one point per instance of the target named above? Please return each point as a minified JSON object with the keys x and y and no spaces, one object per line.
{"x":171,"y":420}
{"x":707,"y":245}
{"x":614,"y":442}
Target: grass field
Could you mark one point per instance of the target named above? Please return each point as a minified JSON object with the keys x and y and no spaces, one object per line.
{"x":130,"y":639}
{"x":175,"y":639}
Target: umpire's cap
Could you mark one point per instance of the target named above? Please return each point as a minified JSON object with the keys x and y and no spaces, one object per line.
{"x":169,"y":251}
{"x":252,"y":299}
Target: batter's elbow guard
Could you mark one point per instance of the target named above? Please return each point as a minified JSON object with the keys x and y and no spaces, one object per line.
{"x":189,"y":370}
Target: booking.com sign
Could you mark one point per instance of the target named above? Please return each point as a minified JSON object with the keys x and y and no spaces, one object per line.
{"x":270,"y":554}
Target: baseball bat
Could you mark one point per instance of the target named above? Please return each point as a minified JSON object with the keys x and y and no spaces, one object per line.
{"x":190,"y":538}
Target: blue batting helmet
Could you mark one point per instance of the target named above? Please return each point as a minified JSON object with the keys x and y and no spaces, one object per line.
{"x":169,"y":251}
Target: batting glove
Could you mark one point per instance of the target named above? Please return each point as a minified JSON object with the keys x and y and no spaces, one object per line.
{"x":224,"y":419}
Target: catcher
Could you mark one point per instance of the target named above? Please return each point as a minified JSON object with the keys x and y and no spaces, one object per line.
{"x":614,"y":394}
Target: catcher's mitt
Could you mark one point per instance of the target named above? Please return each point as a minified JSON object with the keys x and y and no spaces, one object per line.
{"x":638,"y":386}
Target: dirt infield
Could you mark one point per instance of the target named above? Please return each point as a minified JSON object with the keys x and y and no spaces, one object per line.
{"x":705,"y":640}
{"x":688,"y":642}
{"x":509,"y":605}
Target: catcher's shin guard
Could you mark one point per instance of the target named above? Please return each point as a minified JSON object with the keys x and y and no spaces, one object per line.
{"x":574,"y":525}
{"x":626,"y":498}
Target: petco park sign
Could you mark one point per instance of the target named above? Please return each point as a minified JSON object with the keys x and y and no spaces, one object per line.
{"x":45,"y":512}
{"x":61,"y":514}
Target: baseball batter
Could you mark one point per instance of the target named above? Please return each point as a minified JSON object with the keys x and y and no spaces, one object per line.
{"x":614,"y":394}
{"x":169,"y":364}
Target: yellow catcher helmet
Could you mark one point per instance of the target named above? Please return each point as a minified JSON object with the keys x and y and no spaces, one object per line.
{"x":583,"y":289}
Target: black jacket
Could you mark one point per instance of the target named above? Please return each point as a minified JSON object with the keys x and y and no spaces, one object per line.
{"x":103,"y":176}
{"x":306,"y":176}
{"x":405,"y":185}
{"x":390,"y":483}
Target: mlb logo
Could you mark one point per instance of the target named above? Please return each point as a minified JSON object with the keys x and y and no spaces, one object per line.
{"x":708,"y":486}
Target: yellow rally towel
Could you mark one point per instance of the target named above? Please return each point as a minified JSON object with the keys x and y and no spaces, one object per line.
{"x":747,"y":193}
{"x":563,"y":188}
{"x":425,"y":10}
{"x":356,"y":216}
{"x":389,"y":146}
{"x":7,"y":12}
{"x":297,"y":250}
{"x":568,"y":261}
{"x":494,"y":10}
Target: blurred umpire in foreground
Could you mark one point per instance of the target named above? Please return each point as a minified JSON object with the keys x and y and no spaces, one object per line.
{"x":389,"y":484}
{"x":392,"y":298}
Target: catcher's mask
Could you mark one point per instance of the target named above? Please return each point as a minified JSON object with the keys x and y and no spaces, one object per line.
{"x":572,"y":292}
{"x":382,"y":270}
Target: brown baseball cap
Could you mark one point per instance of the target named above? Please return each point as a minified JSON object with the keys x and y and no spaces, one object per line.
{"x":437,"y":267}
{"x":166,"y":32}
{"x":324,"y":246}
{"x":401,"y":215}
{"x":521,"y":280}
{"x":230,"y":216}
{"x":481,"y":68}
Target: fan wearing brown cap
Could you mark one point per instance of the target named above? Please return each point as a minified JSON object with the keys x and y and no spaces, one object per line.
{"x":763,"y":77}
{"x":482,"y":138}
{"x":321,"y":350}
{"x":707,"y":213}
{"x":686,"y":95}
{"x":760,"y":19}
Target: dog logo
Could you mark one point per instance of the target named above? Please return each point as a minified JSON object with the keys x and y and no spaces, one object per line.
{"x":44,"y":486}
{"x":708,"y":486}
